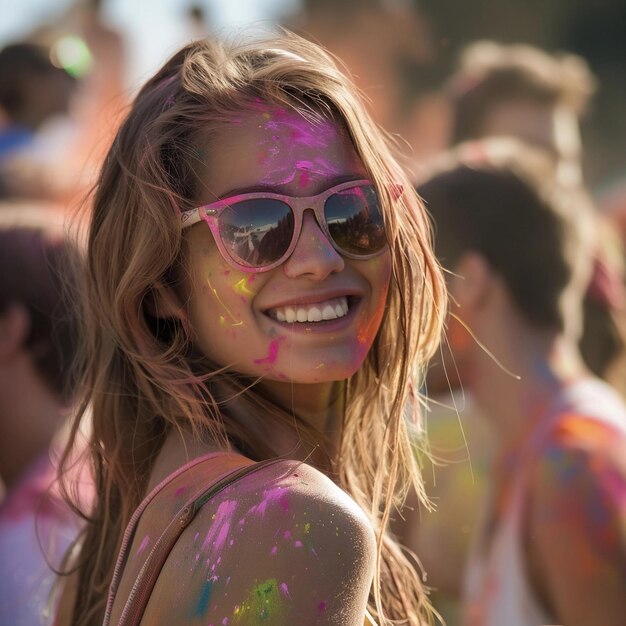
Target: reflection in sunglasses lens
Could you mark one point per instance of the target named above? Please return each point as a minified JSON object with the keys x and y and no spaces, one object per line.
{"x":354,"y":220}
{"x":257,"y":232}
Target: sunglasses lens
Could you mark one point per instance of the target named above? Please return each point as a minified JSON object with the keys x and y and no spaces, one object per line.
{"x":354,"y":220}
{"x":257,"y":232}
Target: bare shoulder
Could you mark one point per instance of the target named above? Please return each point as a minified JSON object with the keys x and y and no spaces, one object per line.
{"x":578,"y":486}
{"x":282,"y":544}
{"x":578,"y":523}
{"x":585,"y":462}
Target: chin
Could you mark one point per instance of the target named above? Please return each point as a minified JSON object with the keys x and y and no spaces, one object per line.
{"x":325,"y":371}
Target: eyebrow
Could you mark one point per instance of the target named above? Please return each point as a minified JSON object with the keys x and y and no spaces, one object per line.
{"x":280,"y":189}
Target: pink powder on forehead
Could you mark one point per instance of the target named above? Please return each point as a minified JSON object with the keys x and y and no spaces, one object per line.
{"x":303,"y":132}
{"x":324,"y":167}
{"x":318,"y":167}
{"x":297,"y":128}
{"x":286,"y":135}
{"x":304,"y":178}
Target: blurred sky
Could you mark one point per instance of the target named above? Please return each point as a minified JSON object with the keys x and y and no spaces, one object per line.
{"x":153,"y":29}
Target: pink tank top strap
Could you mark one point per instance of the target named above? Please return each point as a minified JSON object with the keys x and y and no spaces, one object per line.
{"x":225,"y":463}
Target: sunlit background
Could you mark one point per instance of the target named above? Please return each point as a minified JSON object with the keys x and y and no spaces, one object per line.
{"x":423,"y":48}
{"x":402,"y":55}
{"x":153,"y":30}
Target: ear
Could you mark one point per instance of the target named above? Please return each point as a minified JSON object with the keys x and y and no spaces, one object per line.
{"x":163,"y":302}
{"x":14,"y":329}
{"x":471,"y":282}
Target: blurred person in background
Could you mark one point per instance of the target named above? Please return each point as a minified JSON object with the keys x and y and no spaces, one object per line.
{"x":199,"y":21}
{"x":65,"y":151}
{"x":603,"y":341}
{"x":38,"y":341}
{"x":103,"y":96}
{"x":33,"y":92}
{"x":524,"y":92}
{"x":550,"y":546}
{"x":389,"y":49}
{"x":539,"y":98}
{"x":596,"y":30}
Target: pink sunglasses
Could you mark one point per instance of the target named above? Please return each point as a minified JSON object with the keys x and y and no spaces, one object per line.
{"x":256,"y":232}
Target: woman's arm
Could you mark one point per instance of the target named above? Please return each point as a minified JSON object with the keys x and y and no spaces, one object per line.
{"x":283,"y":545}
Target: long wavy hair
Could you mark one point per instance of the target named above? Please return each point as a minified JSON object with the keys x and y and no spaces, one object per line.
{"x":142,"y":378}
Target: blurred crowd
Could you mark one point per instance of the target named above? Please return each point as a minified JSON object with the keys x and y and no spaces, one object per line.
{"x":522,"y":447}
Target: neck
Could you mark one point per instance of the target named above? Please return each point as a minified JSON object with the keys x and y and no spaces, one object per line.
{"x":540,"y":365}
{"x":319,"y":405}
{"x":313,"y":433}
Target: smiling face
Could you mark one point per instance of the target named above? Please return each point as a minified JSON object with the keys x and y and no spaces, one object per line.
{"x":313,"y":318}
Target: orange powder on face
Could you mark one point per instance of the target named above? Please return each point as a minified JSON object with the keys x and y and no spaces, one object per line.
{"x":367,"y":328}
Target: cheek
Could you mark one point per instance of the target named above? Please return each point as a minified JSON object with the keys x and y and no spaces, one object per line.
{"x":221,"y":300}
{"x":221,"y":296}
{"x":241,"y":287}
{"x":379,"y":276}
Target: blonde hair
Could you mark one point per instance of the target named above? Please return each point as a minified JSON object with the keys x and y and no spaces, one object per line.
{"x":490,"y":73}
{"x":142,"y":380}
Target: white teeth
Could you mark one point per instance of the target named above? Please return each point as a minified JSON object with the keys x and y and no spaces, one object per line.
{"x":329,"y":313}
{"x":315,"y":315}
{"x":330,"y":310}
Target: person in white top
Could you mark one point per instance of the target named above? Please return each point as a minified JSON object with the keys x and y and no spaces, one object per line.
{"x":551,"y":547}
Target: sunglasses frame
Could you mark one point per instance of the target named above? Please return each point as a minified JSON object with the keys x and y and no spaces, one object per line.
{"x":210,"y":213}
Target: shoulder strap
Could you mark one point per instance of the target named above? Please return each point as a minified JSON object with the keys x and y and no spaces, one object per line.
{"x":144,"y":583}
{"x":129,"y":533}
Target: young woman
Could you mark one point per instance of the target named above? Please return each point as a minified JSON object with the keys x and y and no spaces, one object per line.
{"x":260,"y":285}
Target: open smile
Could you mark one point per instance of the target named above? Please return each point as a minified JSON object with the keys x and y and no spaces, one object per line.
{"x":322,"y":313}
{"x":318,"y":312}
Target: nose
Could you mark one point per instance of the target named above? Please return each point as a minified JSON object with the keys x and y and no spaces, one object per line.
{"x":313,"y":256}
